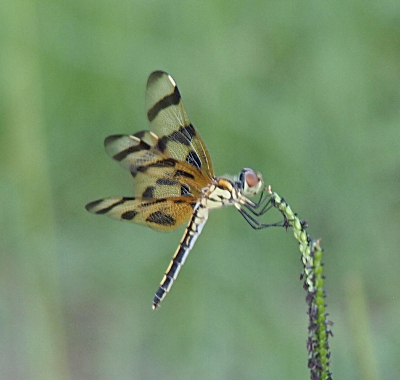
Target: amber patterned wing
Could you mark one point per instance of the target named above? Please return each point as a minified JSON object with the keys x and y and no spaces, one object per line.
{"x":168,"y":119}
{"x":159,"y":214}
{"x":155,"y":175}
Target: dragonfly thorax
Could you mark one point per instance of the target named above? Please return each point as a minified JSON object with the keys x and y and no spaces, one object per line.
{"x":224,"y":191}
{"x":221,"y":192}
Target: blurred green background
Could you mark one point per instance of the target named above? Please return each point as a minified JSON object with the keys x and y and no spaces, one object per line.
{"x":305,"y":92}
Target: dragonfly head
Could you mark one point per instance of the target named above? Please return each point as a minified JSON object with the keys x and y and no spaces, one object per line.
{"x":250,"y":182}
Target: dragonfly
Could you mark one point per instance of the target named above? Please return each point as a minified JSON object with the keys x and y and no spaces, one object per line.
{"x":173,"y":177}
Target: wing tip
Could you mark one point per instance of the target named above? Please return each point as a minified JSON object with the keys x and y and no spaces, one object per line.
{"x":92,"y":205}
{"x":110,"y":139}
{"x":155,"y":75}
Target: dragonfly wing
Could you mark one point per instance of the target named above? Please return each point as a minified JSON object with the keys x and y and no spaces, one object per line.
{"x":159,"y":214}
{"x":169,"y":121}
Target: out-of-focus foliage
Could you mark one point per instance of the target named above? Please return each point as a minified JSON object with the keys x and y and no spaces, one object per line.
{"x":305,"y":92}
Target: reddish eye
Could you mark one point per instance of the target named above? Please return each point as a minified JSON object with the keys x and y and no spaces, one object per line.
{"x":252,"y":178}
